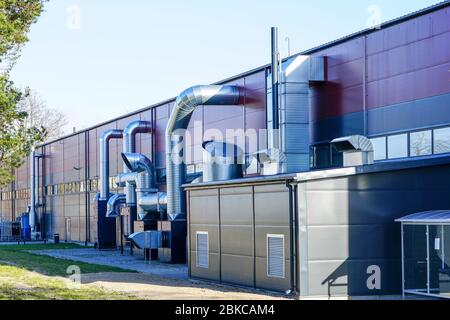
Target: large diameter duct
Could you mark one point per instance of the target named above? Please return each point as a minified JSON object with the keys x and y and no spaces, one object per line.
{"x":222,"y":161}
{"x":104,"y":160}
{"x":32,"y":214}
{"x":182,"y":111}
{"x":129,"y":146}
{"x":149,"y":200}
{"x":113,"y":206}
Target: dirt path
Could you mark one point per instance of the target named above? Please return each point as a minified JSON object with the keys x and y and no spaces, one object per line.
{"x":152,"y":287}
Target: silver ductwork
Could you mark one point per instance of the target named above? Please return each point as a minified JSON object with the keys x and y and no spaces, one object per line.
{"x":357,"y":150}
{"x":104,"y":160}
{"x":32,"y":213}
{"x":222,"y":161}
{"x":185,"y":105}
{"x":129,"y":146}
{"x":113,"y":206}
{"x":142,"y":175}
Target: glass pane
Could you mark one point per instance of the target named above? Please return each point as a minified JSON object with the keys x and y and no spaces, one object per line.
{"x":435,"y":244}
{"x":337,"y":158}
{"x":398,"y":146}
{"x":321,"y":156}
{"x":442,"y":140}
{"x":444,"y":272}
{"x":415,"y":257}
{"x":379,"y":148}
{"x":420,"y":143}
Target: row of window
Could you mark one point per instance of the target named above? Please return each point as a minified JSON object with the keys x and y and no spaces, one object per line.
{"x":412,"y":144}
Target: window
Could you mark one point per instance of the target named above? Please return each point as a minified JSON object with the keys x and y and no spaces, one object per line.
{"x":442,"y":140}
{"x":420,"y":143}
{"x":379,"y":148}
{"x":275,"y":256}
{"x":321,"y":156}
{"x":398,"y":146}
{"x":202,"y":249}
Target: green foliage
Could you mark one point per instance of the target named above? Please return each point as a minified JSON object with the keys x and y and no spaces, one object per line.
{"x":16,"y":139}
{"x":16,"y":17}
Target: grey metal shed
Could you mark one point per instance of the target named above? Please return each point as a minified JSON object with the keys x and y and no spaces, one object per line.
{"x":426,"y":253}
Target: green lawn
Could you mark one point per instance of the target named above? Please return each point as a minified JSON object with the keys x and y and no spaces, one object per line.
{"x":19,"y":284}
{"x":28,"y":276}
{"x":16,"y":255}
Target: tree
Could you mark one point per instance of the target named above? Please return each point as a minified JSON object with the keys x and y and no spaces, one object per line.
{"x":39,"y":115}
{"x":16,"y":17}
{"x":16,"y":138}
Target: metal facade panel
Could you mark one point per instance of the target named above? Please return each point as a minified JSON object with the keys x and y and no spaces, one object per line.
{"x":213,"y":235}
{"x":350,"y":231}
{"x":410,"y":86}
{"x":428,"y":112}
{"x":237,"y":240}
{"x":271,"y":206}
{"x":336,"y":127}
{"x":271,"y":283}
{"x":210,"y":273}
{"x":237,"y":270}
{"x":236,"y":206}
{"x":204,"y":207}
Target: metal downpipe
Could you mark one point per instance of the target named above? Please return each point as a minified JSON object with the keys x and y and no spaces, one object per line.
{"x":185,"y":105}
{"x":104,"y":160}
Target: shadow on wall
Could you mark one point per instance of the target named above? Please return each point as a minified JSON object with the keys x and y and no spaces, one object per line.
{"x":368,"y":248}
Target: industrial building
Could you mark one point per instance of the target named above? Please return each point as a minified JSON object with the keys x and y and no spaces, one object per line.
{"x":344,"y":192}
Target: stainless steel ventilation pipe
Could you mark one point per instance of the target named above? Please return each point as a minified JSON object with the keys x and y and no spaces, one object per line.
{"x":129,"y":146}
{"x":222,"y":161}
{"x":104,"y":160}
{"x":113,"y":206}
{"x":149,"y":200}
{"x":182,"y":111}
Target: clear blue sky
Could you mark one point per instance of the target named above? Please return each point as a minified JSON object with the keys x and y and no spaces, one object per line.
{"x":98,"y":59}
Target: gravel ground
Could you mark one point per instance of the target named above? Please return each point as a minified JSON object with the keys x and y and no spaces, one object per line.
{"x":155,"y":280}
{"x":115,"y":259}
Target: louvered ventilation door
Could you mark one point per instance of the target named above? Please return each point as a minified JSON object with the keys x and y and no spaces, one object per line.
{"x":275,"y":256}
{"x":202,"y":250}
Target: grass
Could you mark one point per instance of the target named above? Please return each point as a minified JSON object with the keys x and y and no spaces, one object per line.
{"x":19,"y":284}
{"x":28,"y":276}
{"x":35,"y":247}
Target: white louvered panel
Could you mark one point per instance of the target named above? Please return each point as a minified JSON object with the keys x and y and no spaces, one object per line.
{"x":275,"y":256}
{"x":202,"y":250}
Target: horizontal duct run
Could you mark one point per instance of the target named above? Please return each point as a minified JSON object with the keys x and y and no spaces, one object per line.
{"x":180,"y":117}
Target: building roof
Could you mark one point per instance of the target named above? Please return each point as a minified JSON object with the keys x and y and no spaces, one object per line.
{"x":427,"y":217}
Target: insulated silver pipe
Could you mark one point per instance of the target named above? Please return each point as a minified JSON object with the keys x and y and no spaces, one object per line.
{"x":129,"y":146}
{"x":145,"y":180}
{"x":112,"y":208}
{"x":153,"y":202}
{"x":104,"y":160}
{"x":32,"y":214}
{"x":178,"y":122}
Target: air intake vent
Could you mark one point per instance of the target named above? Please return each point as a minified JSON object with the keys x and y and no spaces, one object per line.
{"x":275,"y":256}
{"x":202,"y":250}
